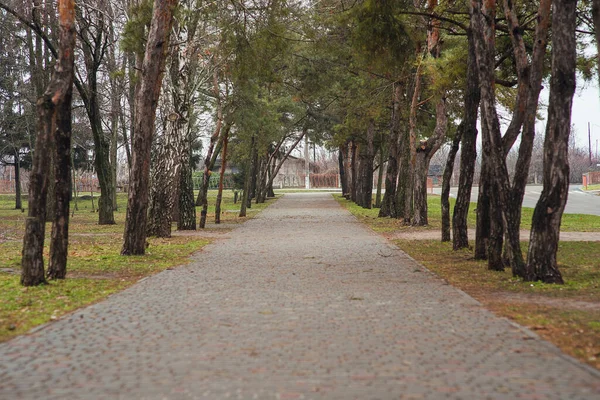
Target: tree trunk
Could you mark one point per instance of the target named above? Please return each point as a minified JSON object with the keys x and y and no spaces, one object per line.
{"x":342,"y":168}
{"x":354,"y":168}
{"x":448,"y":171}
{"x":244,"y":201}
{"x":482,"y":233}
{"x":424,"y":153}
{"x":57,"y":267}
{"x":403,"y":174}
{"x":545,"y":231}
{"x":18,"y":200}
{"x":412,"y":145}
{"x":468,"y":152}
{"x":201,"y":200}
{"x":187,"y":207}
{"x":145,"y":105}
{"x":596,"y":19}
{"x":388,"y":204}
{"x":165,"y":177}
{"x":221,"y":177}
{"x":380,"y":176}
{"x":364,"y":196}
{"x":55,"y":101}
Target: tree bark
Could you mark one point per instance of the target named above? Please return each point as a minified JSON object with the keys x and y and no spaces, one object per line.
{"x":342,"y":168}
{"x":364,"y":196}
{"x":380,"y":176}
{"x":482,"y":233}
{"x":221,"y":177}
{"x":145,"y":105}
{"x":165,"y":178}
{"x":388,"y":204}
{"x":54,"y":116}
{"x":545,"y":230}
{"x":448,"y":171}
{"x":468,"y":152}
{"x":530,"y":76}
{"x":425,"y":151}
{"x":18,"y":200}
{"x":410,"y":190}
{"x":354,"y":168}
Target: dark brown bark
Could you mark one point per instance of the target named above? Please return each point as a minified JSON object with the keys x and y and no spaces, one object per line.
{"x":545,"y":229}
{"x":364,"y":195}
{"x":468,"y":151}
{"x":409,"y":184}
{"x":380,"y":176}
{"x":187,"y":208}
{"x":530,"y":76}
{"x":403,"y":173}
{"x":221,"y":177}
{"x":388,"y":204}
{"x":342,"y":167}
{"x":93,"y":42}
{"x":18,"y":200}
{"x":447,"y":177}
{"x":57,"y":268}
{"x":145,"y":105}
{"x":482,"y":233}
{"x":424,"y":152}
{"x":596,"y":19}
{"x":354,"y":170}
{"x":246,"y":199}
{"x":483,"y":17}
{"x":52,"y":122}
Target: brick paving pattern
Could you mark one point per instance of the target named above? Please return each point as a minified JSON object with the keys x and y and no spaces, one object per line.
{"x":303,"y":302}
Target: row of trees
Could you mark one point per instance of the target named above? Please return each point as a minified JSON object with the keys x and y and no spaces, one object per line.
{"x":386,"y":83}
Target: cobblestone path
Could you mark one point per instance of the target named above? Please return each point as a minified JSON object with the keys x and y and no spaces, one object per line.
{"x":303,"y":302}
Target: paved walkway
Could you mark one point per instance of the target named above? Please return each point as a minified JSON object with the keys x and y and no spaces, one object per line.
{"x":301,"y":303}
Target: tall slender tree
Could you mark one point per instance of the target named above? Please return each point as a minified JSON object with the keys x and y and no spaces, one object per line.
{"x":134,"y":240}
{"x":545,"y":225}
{"x":54,"y":121}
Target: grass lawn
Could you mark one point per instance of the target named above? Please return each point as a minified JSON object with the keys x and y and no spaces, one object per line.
{"x":94,"y":269}
{"x":567,"y":315}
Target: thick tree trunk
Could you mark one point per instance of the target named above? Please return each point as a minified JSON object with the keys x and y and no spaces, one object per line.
{"x":364,"y":196}
{"x":482,"y":233}
{"x":403,"y":175}
{"x":388,"y":204}
{"x":409,"y":206}
{"x":145,"y":105}
{"x":221,"y":178}
{"x":448,"y":171}
{"x":468,"y":152}
{"x":187,"y":208}
{"x":545,"y":229}
{"x":165,"y":178}
{"x":54,"y":116}
{"x":424,"y":153}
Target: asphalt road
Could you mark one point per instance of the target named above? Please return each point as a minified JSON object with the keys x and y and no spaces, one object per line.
{"x":579,"y":202}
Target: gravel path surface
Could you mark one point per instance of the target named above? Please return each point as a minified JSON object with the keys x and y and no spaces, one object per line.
{"x":301,"y":303}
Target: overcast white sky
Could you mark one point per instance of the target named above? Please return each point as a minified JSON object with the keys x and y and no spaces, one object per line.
{"x":586,"y":108}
